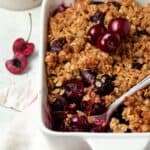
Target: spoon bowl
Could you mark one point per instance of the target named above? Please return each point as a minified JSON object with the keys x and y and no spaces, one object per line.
{"x":104,"y":118}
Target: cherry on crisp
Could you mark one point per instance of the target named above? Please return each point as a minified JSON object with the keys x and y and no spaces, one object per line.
{"x":59,"y":9}
{"x":79,"y":123}
{"x":74,"y":89}
{"x":60,"y":104}
{"x":21,"y":46}
{"x":108,"y":42}
{"x":88,"y":77}
{"x":94,"y":32}
{"x":120,"y":26}
{"x":18,"y":64}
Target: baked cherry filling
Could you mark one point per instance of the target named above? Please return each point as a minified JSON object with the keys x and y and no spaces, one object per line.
{"x":98,"y":17}
{"x":67,"y":109}
{"x":114,"y":3}
{"x":58,"y":44}
{"x":88,"y":77}
{"x":78,"y":123}
{"x":74,"y":89}
{"x":105,"y":85}
{"x":60,"y":104}
{"x":97,"y":2}
{"x":61,"y":8}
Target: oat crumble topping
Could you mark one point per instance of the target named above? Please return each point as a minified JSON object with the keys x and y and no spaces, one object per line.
{"x":69,"y":53}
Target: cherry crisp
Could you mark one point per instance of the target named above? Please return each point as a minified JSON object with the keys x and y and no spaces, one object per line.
{"x":96,"y":52}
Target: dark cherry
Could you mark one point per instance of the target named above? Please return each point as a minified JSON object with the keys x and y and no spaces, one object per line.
{"x":59,"y":104}
{"x":118,"y":113}
{"x":88,"y":77}
{"x":91,"y":108}
{"x":58,"y":120}
{"x":142,"y":32}
{"x":74,"y":89}
{"x":98,"y":17}
{"x":88,"y":108}
{"x":98,"y":129}
{"x":104,"y":86}
{"x":97,"y":2}
{"x":62,"y":127}
{"x":108,"y":42}
{"x":136,"y":65}
{"x":59,"y":115}
{"x":79,"y":122}
{"x":98,"y":126}
{"x":120,"y":26}
{"x":82,"y":106}
{"x":18,"y":64}
{"x":58,"y":44}
{"x":94,"y":32}
{"x":72,"y":108}
{"x":59,"y":9}
{"x":128,"y":131}
{"x":114,"y":3}
{"x":98,"y":109}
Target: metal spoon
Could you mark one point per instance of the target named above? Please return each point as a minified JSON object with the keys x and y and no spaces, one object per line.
{"x":104,"y":118}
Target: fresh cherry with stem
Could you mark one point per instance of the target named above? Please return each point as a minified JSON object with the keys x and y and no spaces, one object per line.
{"x":21,"y":49}
{"x":22,"y":46}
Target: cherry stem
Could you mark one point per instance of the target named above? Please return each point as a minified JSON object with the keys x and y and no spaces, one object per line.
{"x":30,"y":17}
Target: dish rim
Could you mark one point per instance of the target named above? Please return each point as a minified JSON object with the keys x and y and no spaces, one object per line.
{"x":43,"y":92}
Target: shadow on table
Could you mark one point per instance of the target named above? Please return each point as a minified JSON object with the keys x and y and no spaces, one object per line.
{"x":147,"y":147}
{"x":67,"y":143}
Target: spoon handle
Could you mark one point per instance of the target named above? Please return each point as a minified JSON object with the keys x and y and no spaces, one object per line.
{"x":145,"y":82}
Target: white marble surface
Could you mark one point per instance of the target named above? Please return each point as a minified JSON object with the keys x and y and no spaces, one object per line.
{"x":16,"y":24}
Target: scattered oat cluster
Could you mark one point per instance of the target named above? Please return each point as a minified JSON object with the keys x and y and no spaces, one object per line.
{"x":96,"y":52}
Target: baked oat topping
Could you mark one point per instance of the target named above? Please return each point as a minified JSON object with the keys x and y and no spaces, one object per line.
{"x":83,"y":80}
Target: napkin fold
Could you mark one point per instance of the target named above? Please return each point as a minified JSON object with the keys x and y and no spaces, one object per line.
{"x":19,"y":96}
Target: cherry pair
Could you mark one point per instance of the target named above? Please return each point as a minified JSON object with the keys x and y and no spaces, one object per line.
{"x":109,"y":40}
{"x":22,"y":49}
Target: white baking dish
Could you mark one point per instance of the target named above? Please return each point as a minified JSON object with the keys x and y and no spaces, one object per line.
{"x":47,"y":6}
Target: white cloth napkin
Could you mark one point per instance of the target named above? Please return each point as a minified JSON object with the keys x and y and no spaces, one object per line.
{"x":19,"y":96}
